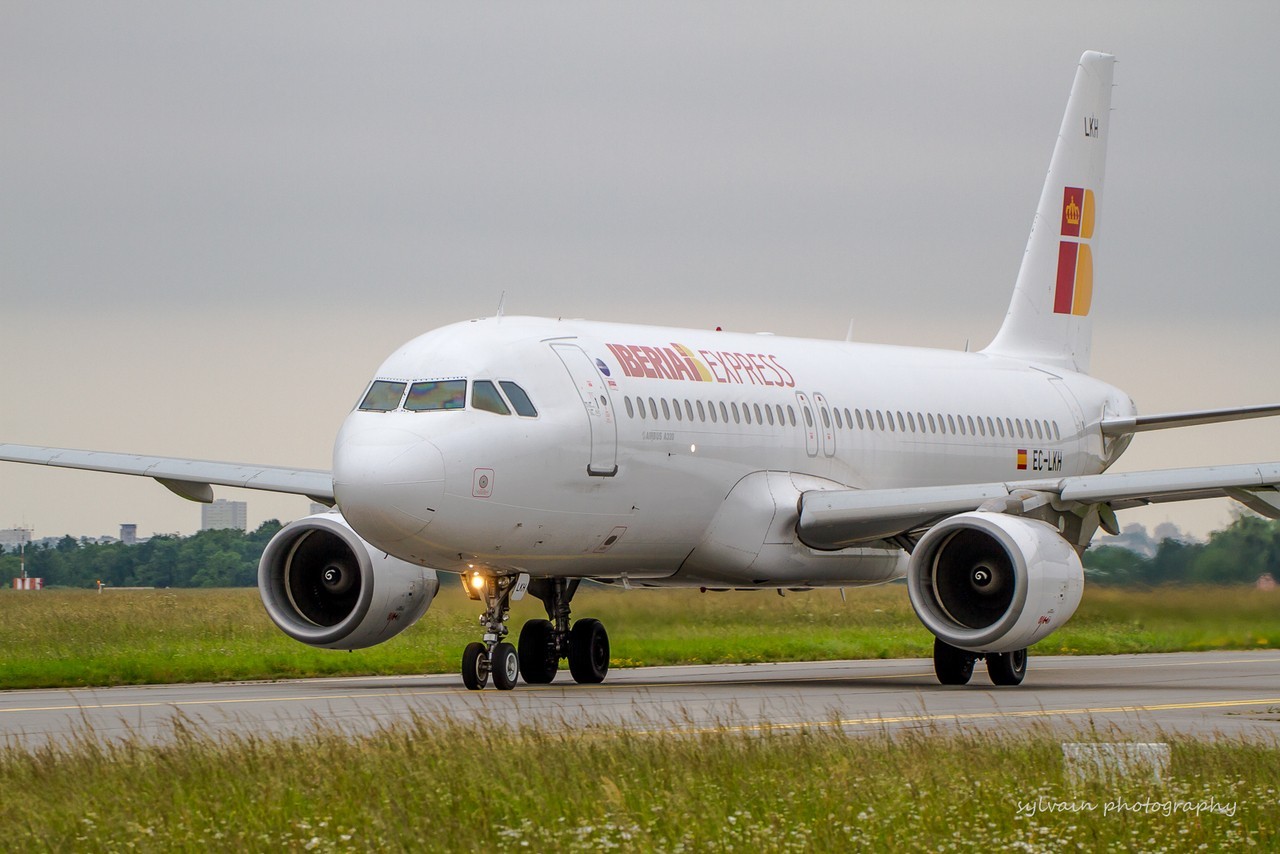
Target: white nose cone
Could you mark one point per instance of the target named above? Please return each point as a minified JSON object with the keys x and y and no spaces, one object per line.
{"x":388,"y":483}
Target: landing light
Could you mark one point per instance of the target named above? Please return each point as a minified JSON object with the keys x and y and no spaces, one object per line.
{"x":477,"y":581}
{"x":693,"y":449}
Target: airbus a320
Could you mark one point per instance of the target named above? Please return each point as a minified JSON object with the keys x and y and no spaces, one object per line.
{"x":527,"y":454}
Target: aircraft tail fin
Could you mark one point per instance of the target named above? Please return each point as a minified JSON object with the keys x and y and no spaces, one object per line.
{"x":1048,"y":319}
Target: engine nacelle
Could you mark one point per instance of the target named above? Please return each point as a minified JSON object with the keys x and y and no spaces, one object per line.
{"x":987,"y":582}
{"x":325,"y":586}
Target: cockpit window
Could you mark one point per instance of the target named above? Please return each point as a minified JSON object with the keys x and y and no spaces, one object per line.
{"x":485,"y":396}
{"x":383,"y":396}
{"x":520,"y":400}
{"x":436,"y":394}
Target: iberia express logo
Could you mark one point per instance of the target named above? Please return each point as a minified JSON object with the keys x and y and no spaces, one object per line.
{"x":678,"y":362}
{"x":1074,"y":289}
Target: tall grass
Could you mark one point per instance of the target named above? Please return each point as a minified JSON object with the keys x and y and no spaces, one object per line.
{"x":452,"y":786}
{"x":69,"y":637}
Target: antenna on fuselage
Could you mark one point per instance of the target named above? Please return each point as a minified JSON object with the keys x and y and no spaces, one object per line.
{"x":848,"y":336}
{"x":501,"y":302}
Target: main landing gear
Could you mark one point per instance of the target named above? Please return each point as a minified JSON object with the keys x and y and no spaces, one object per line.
{"x":543,"y":643}
{"x":954,"y":666}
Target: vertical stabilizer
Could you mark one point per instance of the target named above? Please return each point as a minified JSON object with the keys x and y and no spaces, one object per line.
{"x":1048,"y":319}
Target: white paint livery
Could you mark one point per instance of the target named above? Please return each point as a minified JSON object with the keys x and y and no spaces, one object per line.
{"x":532,"y":453}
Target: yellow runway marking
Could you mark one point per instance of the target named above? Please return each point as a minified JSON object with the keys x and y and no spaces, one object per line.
{"x":957,"y":717}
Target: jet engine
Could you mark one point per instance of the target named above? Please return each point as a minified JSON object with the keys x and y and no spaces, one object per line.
{"x":325,"y":586}
{"x":987,"y":582}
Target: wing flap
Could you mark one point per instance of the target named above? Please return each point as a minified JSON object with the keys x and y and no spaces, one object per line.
{"x":189,"y":478}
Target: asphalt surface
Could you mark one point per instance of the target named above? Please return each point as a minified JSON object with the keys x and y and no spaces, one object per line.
{"x":1131,"y":696}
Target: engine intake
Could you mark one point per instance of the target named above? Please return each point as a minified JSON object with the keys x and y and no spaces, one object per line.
{"x":325,"y":586}
{"x":987,"y":582}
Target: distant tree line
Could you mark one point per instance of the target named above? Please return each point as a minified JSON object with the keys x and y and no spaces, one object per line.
{"x":223,"y":558}
{"x":1239,"y":553}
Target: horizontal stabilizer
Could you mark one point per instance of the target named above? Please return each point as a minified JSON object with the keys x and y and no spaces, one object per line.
{"x":1143,"y":423}
{"x":189,"y":478}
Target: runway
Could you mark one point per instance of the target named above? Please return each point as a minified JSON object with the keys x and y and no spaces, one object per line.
{"x":1200,"y":694}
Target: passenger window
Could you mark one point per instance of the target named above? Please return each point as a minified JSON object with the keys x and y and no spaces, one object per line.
{"x":791,"y":414}
{"x":712,"y":406}
{"x":746,"y":412}
{"x":653,"y":408}
{"x":1000,"y":424}
{"x":911,"y":422}
{"x":702,"y":415}
{"x":826,"y":419}
{"x":902,"y":425}
{"x":880,"y":419}
{"x":888,"y":416}
{"x":631,"y":412}
{"x":383,"y":396}
{"x":759,"y":417}
{"x":972,"y":431}
{"x":839,"y":420}
{"x":933,"y":425}
{"x":808,"y":418}
{"x":858,"y":412}
{"x":1039,"y":432}
{"x":982,"y":428}
{"x":737,"y":419}
{"x":436,"y":394}
{"x":1056,"y":435}
{"x":724,"y":413}
{"x":768,"y":410}
{"x":675,"y":404}
{"x":666,"y":410}
{"x":640,"y":403}
{"x":520,"y":400}
{"x":688,"y":409}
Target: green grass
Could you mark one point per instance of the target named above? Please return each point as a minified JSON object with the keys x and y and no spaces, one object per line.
{"x":424,"y":785}
{"x":69,"y":637}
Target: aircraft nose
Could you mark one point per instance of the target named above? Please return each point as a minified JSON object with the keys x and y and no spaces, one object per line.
{"x":388,"y":482}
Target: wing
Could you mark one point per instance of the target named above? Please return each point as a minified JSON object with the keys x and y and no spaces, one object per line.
{"x":192,"y":479}
{"x":840,"y":518}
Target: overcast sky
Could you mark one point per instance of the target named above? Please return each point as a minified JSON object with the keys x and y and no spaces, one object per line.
{"x":217,"y":219}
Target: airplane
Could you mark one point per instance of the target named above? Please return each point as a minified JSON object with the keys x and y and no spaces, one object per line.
{"x":527,"y":454}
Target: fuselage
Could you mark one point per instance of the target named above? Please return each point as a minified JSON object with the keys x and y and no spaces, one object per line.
{"x":632,"y":438}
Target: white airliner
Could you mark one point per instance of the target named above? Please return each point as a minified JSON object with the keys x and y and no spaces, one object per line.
{"x":527,"y":454}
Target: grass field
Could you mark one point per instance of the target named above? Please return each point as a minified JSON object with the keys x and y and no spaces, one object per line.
{"x":425,"y":785}
{"x":68,"y":637}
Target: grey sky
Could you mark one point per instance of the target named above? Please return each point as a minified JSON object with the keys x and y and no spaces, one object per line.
{"x":217,"y":219}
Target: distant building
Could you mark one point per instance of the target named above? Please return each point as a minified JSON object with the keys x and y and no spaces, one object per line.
{"x":129,"y":534}
{"x":11,"y":538}
{"x":319,"y":508}
{"x":1266,"y":581}
{"x":222,"y":514}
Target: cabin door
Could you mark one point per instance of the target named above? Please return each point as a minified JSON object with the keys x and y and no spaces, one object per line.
{"x":603,"y":461}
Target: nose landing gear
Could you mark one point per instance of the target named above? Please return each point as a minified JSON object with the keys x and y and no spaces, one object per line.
{"x":494,"y":657}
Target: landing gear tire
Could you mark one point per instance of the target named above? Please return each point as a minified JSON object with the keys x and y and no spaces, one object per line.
{"x":475,"y":666}
{"x":952,"y":665}
{"x":538,"y":659}
{"x":588,"y":651}
{"x":1007,"y":668}
{"x":505,"y":667}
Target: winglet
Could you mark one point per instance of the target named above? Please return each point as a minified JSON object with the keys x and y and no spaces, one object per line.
{"x":1049,"y":316}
